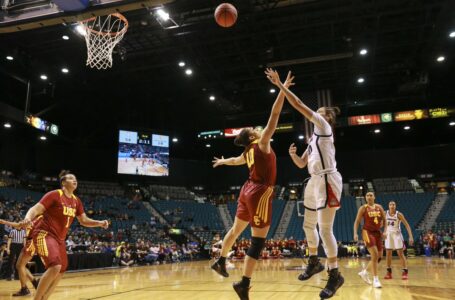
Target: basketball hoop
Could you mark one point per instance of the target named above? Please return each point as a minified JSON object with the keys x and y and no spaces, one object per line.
{"x":102,"y":33}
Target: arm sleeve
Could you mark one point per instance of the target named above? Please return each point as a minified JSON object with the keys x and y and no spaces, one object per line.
{"x":49,"y":199}
{"x":79,"y":208}
{"x":321,"y":126}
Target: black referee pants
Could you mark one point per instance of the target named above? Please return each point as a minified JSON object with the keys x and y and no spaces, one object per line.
{"x":15,"y":250}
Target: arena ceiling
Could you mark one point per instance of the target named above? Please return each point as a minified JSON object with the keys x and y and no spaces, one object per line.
{"x":318,"y":40}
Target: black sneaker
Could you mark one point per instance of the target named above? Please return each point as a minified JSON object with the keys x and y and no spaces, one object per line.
{"x":241,"y":290}
{"x":22,"y":292}
{"x":35,"y":283}
{"x":314,"y":267}
{"x":333,"y":284}
{"x":220,"y":269}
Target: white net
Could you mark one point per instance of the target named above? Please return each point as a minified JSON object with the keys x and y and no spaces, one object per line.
{"x":101,"y":36}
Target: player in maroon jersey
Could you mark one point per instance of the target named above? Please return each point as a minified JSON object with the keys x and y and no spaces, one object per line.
{"x":374,"y":218}
{"x":27,"y":253}
{"x":59,"y":208}
{"x":255,"y":200}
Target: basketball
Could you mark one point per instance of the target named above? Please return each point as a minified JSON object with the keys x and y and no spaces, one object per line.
{"x":225,"y":15}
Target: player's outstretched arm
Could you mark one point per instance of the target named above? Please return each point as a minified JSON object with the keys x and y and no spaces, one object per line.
{"x":293,"y":99}
{"x":357,"y":222}
{"x":269,"y":130}
{"x":232,"y":161}
{"x":87,"y":222}
{"x":12,"y":224}
{"x":408,"y":228}
{"x":299,"y":161}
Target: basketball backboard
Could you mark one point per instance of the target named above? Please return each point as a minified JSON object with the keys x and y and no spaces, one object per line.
{"x":18,"y":15}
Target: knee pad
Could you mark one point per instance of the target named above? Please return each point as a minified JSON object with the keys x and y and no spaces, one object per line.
{"x":257,"y":244}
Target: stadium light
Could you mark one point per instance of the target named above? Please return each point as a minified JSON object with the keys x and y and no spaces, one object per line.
{"x":377,"y":131}
{"x":162,"y":14}
{"x":43,"y":77}
{"x":188,"y":72}
{"x":272,"y":91}
{"x":7,"y":125}
{"x":43,"y":138}
{"x":9,"y":57}
{"x":441,"y":58}
{"x":360,"y":80}
{"x":407,"y":127}
{"x":81,"y":30}
{"x":175,"y":140}
{"x":363,"y":52}
{"x":208,"y":145}
{"x":65,"y":70}
{"x":181,"y":64}
{"x":452,"y":34}
{"x":65,"y":37}
{"x":212,"y":98}
{"x":452,"y":123}
{"x":301,"y":137}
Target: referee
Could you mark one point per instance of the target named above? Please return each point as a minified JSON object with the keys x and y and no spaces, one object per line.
{"x":16,"y":242}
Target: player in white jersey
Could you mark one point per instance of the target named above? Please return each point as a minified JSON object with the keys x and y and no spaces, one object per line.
{"x":323,"y":191}
{"x":394,"y":240}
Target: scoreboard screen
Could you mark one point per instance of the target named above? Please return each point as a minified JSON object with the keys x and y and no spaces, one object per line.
{"x":143,"y":153}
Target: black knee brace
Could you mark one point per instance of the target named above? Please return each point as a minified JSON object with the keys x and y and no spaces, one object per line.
{"x":257,"y":244}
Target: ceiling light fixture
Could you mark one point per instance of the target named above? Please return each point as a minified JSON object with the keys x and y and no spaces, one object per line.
{"x":162,"y":14}
{"x":81,"y":30}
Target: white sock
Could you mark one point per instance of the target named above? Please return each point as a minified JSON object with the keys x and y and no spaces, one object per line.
{"x":375,"y":278}
{"x":333,"y":265}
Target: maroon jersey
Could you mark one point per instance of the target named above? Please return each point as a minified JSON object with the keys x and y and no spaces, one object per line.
{"x":262,"y":165}
{"x":60,"y":213}
{"x":372,"y":218}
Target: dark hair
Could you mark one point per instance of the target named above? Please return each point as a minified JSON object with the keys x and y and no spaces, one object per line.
{"x":333,"y":112}
{"x":243,"y":138}
{"x":62,"y":175}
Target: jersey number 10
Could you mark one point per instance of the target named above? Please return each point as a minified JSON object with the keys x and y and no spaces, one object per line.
{"x":250,"y":158}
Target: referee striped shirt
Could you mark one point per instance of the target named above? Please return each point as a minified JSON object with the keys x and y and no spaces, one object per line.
{"x":17,"y":236}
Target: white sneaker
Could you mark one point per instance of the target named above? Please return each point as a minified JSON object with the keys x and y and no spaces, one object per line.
{"x":364,"y":275}
{"x":377,"y":283}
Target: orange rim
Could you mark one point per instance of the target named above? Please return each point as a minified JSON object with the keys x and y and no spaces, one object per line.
{"x":118,"y":15}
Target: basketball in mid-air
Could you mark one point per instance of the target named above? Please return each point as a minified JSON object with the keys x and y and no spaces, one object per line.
{"x":225,"y":15}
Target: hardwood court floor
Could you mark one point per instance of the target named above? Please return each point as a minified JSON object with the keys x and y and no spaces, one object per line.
{"x":429,"y":279}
